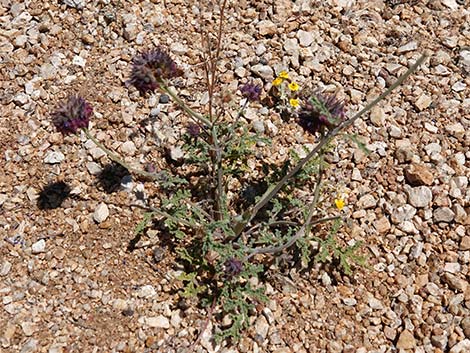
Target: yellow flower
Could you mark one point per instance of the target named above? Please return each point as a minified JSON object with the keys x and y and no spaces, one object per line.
{"x":284,"y":75}
{"x":294,"y":102}
{"x":339,"y":204}
{"x":293,"y":86}
{"x":277,"y":81}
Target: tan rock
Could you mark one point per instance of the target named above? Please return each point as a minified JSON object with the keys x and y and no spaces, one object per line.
{"x":423,"y":102}
{"x":455,"y":282}
{"x":267,"y":28}
{"x":465,"y":243}
{"x":382,"y":225}
{"x":406,"y":340}
{"x":418,"y":175}
{"x":377,"y":116}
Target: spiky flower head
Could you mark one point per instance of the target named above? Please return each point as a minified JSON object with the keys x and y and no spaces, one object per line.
{"x":150,"y":168}
{"x":151,"y":68}
{"x":320,"y":112}
{"x":72,"y":115}
{"x":233,"y":267}
{"x":193,"y":129}
{"x":251,"y":91}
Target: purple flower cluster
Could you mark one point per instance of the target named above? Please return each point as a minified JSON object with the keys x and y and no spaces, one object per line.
{"x":233,"y":267}
{"x":193,"y":129}
{"x":150,"y":69}
{"x":72,"y":115}
{"x":319,"y":112}
{"x":251,"y":91}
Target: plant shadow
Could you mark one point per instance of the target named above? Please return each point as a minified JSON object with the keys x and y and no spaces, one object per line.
{"x":110,"y":177}
{"x":53,"y":195}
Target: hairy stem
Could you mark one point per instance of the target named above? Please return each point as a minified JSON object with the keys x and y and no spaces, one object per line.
{"x":305,"y":229}
{"x":210,"y":69}
{"x":216,"y":155}
{"x":185,"y":107}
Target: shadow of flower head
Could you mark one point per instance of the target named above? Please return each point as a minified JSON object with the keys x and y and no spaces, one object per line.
{"x":53,"y":195}
{"x":109,"y":179}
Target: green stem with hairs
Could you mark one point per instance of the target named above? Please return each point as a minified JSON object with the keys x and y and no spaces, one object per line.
{"x":185,"y":107}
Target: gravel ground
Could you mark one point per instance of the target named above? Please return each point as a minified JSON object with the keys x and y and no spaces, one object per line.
{"x":68,"y":282}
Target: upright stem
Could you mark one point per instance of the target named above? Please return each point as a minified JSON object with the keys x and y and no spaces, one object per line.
{"x":210,"y":68}
{"x":215,"y":59}
{"x":217,"y":161}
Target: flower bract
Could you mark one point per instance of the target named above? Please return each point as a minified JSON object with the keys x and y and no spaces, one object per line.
{"x":193,"y":129}
{"x":233,"y":267}
{"x":72,"y":115}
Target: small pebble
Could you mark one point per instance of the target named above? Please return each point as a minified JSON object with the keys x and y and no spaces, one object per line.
{"x":128,"y":148}
{"x":406,"y":340}
{"x":39,"y":246}
{"x":54,"y":157}
{"x":420,"y":196}
{"x":258,"y":126}
{"x":30,"y":346}
{"x":349,"y":301}
{"x":88,"y":39}
{"x":443,"y":214}
{"x":263,"y":71}
{"x":79,"y":61}
{"x":408,"y":47}
{"x":157,"y":322}
{"x":101,"y":213}
{"x":146,"y":291}
{"x":164,"y":99}
{"x":93,"y":168}
{"x":423,"y":102}
{"x":5,"y":268}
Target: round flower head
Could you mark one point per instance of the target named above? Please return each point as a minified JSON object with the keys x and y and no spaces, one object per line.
{"x":321,"y":112}
{"x":339,"y":203}
{"x":251,"y":91}
{"x":233,"y":267}
{"x":294,"y":102}
{"x":150,"y":69}
{"x":72,"y":115}
{"x":193,"y":129}
{"x":293,"y":86}
{"x":277,"y":81}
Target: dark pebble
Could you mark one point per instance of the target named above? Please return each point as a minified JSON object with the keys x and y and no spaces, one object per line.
{"x":164,"y":99}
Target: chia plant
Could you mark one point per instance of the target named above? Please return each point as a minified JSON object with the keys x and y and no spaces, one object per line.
{"x":222,"y":241}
